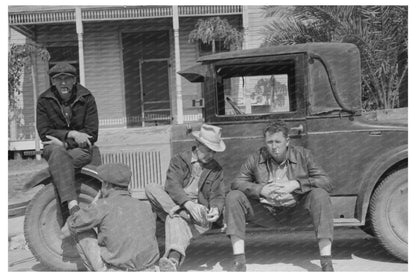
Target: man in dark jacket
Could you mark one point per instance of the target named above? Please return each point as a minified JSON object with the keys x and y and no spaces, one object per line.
{"x":126,"y":226}
{"x":279,"y":177}
{"x":193,"y":196}
{"x":67,"y":123}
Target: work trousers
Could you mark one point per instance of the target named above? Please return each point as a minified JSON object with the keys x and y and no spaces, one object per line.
{"x":178,"y":231}
{"x":88,"y":249}
{"x":63,"y":165}
{"x":239,"y":209}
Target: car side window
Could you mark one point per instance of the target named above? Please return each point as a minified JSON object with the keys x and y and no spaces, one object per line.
{"x":255,"y":89}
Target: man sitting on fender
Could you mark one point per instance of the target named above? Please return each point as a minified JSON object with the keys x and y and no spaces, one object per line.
{"x":193,"y":196}
{"x":67,"y":123}
{"x":279,"y":176}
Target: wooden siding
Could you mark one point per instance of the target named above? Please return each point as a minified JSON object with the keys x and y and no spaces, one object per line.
{"x":103,"y":69}
{"x":256,"y":22}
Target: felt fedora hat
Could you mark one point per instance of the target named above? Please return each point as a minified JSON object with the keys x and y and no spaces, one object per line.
{"x":210,"y":136}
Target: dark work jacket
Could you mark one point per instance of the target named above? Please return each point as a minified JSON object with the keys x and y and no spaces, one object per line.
{"x":254,"y":173}
{"x":211,"y":185}
{"x":126,"y":230}
{"x":51,"y":120}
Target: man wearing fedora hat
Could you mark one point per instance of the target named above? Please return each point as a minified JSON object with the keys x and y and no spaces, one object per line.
{"x":193,"y":195}
{"x":67,"y":123}
{"x":126,"y":226}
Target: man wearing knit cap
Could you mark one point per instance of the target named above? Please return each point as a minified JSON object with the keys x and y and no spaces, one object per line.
{"x":67,"y":123}
{"x":193,"y":196}
{"x":126,"y":226}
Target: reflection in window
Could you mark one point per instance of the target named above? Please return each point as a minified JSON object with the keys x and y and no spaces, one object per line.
{"x":249,"y":93}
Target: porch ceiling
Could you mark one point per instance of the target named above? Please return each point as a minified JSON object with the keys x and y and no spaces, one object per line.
{"x":19,"y":16}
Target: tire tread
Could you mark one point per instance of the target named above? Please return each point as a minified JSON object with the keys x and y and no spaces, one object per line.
{"x":373,"y":210}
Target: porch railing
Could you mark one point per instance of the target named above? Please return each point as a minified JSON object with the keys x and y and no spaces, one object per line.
{"x":126,"y":13}
{"x":114,"y":13}
{"x":41,"y":17}
{"x":208,"y":10}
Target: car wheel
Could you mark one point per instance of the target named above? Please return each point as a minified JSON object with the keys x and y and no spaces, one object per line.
{"x":42,"y":228}
{"x":389,"y":211}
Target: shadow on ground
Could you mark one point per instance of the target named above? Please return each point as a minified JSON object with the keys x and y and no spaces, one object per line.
{"x":295,"y":250}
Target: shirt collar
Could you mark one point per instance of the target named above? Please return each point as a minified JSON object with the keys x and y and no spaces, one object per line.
{"x":194,"y":157}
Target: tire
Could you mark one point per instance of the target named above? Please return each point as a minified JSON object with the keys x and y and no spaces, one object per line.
{"x":368,"y":229}
{"x":42,"y":228}
{"x":388,"y":213}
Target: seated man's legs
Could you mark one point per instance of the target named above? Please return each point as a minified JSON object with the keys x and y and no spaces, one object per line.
{"x":62,"y":165}
{"x":179,"y":233}
{"x":160,"y":200}
{"x":178,"y":227}
{"x":238,"y":210}
{"x":318,"y":203}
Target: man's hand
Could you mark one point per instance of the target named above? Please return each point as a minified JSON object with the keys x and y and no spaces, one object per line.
{"x":53,"y":141}
{"x":280,"y":193}
{"x":81,"y":138}
{"x":197,"y":211}
{"x":213,"y":214}
{"x":269,"y":190}
{"x":286,"y":187}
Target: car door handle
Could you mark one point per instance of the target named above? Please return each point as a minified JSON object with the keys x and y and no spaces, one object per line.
{"x":296,"y":130}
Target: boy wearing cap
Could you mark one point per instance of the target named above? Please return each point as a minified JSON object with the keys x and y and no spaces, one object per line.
{"x":193,"y":196}
{"x":126,"y":227}
{"x":67,"y":123}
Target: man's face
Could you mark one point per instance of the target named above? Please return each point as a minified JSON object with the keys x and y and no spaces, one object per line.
{"x":276,"y":145}
{"x":204,"y":154}
{"x":63,"y":83}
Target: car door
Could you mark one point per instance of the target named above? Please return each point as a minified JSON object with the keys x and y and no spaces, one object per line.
{"x":243,"y":95}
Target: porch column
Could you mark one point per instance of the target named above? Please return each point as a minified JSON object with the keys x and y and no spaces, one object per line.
{"x":80,"y":32}
{"x":179,"y":105}
{"x":245,"y":25}
{"x":34,"y":71}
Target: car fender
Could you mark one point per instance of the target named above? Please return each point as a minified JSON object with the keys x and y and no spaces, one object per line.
{"x":44,"y":176}
{"x":373,"y":175}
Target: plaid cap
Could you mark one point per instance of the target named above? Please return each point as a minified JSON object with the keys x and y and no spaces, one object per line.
{"x":62,"y":69}
{"x":117,"y":174}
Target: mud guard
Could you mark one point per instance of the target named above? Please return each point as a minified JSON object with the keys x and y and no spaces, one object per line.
{"x":44,"y":176}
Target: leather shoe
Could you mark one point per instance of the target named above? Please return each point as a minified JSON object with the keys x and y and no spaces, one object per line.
{"x":327,"y":267}
{"x":238,"y":267}
{"x":166,"y":264}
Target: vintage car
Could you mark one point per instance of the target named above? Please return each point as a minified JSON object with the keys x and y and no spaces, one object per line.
{"x":316,"y":89}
